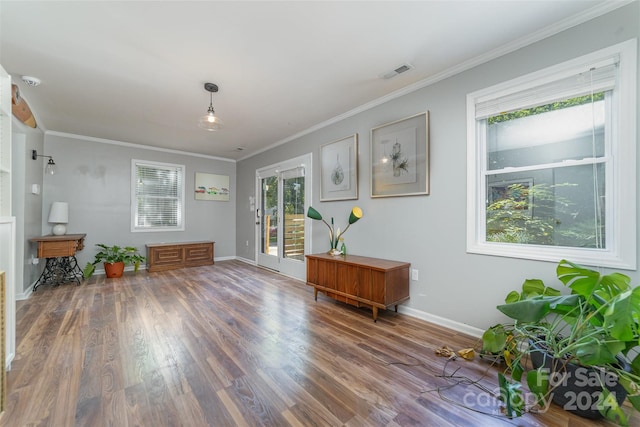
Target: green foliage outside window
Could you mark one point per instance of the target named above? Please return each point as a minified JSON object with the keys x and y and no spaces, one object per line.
{"x":567,"y":103}
{"x":536,"y":215}
{"x":293,"y":195}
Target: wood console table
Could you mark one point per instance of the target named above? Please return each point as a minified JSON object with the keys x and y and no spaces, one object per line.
{"x":169,"y":256}
{"x":359,"y":281}
{"x":60,"y":252}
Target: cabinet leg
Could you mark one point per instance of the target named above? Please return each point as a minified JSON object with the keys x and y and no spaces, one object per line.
{"x":46,"y":275}
{"x":315,"y":294}
{"x":396,"y":307}
{"x":375,"y":313}
{"x":59,"y":270}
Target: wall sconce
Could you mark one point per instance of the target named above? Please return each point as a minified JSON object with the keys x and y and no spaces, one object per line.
{"x":50,"y":168}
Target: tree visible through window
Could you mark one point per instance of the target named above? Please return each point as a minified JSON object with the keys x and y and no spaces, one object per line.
{"x":157,"y":196}
{"x":552,"y":202}
{"x":553,"y":173}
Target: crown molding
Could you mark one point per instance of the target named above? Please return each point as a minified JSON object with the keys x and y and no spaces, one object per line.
{"x":132,"y":145}
{"x":555,"y":28}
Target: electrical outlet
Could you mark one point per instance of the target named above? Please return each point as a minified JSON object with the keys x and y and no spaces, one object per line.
{"x":246,"y":243}
{"x":414,"y":274}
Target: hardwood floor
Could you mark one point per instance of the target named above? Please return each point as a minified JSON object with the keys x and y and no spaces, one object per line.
{"x":235,"y":345}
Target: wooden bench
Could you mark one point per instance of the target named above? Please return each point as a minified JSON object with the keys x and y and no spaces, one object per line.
{"x":169,"y":256}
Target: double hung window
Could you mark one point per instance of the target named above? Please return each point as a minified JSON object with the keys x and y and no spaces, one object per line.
{"x":157,"y":196}
{"x":552,"y":162}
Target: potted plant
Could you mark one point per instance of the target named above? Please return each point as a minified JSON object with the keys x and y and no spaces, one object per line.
{"x":114,"y":259}
{"x":590,"y":336}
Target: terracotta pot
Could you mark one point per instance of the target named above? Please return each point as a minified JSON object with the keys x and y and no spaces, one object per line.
{"x":114,"y":269}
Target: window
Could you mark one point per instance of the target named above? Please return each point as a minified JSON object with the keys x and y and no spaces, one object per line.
{"x":552,"y":163}
{"x":157,"y":196}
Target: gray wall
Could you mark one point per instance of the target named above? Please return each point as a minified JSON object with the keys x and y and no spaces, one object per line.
{"x":94,"y":177}
{"x":430,"y":231}
{"x":27,"y":207}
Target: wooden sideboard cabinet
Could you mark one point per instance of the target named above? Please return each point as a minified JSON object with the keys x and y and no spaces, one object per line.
{"x":169,"y":256}
{"x":359,"y":281}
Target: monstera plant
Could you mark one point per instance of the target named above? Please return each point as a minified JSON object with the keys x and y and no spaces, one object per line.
{"x":590,"y":336}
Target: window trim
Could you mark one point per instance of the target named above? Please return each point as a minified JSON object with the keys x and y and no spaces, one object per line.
{"x":621,"y":223}
{"x":134,"y":204}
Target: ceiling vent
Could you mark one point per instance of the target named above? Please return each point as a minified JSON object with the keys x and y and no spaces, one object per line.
{"x":398,"y":70}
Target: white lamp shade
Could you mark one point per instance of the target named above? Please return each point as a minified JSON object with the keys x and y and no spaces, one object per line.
{"x":59,"y":213}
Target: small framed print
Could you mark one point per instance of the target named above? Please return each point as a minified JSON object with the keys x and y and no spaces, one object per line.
{"x":400,"y":157}
{"x":339,"y":169}
{"x":212,"y":187}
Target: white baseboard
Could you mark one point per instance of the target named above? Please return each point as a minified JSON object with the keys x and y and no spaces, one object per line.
{"x":246,"y":260}
{"x":442,"y":321}
{"x":10,"y":357}
{"x":25,"y":294}
{"x":223,"y":258}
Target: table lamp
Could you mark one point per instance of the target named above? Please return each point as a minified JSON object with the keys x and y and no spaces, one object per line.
{"x":59,"y":215}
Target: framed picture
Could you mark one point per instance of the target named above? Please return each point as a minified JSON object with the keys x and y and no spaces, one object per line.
{"x":212,"y":187}
{"x":339,"y":169}
{"x":400,"y":157}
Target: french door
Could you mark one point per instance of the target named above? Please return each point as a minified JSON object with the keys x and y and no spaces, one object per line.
{"x":284,"y":192}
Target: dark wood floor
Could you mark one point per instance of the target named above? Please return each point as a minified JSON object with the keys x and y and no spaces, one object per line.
{"x":235,"y":345}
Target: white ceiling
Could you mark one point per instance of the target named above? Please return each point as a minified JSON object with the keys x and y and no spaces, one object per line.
{"x":134,"y":71}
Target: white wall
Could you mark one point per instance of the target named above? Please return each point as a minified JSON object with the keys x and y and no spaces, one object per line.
{"x":94,"y":177}
{"x":7,"y":264}
{"x":429,"y":231}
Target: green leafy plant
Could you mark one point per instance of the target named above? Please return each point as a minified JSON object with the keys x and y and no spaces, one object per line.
{"x":554,"y":106}
{"x":537,"y":215}
{"x":596,"y":325}
{"x":113,"y":254}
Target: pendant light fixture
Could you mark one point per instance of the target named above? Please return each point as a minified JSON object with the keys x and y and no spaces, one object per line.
{"x":210,"y":121}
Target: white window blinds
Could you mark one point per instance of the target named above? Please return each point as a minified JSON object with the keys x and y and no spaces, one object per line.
{"x":596,"y":79}
{"x":158,"y":196}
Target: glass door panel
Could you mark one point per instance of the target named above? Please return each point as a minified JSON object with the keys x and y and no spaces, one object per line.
{"x":269,"y":223}
{"x":293,"y":240}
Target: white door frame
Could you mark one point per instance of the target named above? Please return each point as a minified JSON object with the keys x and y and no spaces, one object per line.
{"x":289,"y":267}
